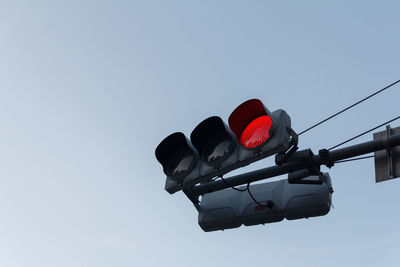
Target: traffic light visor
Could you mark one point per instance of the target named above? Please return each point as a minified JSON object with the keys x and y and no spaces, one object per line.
{"x":213,"y":140}
{"x":176,"y":155}
{"x":251,"y":123}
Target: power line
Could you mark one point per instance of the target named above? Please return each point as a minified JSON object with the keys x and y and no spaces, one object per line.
{"x":343,"y":110}
{"x":361,"y":134}
{"x":346,"y":160}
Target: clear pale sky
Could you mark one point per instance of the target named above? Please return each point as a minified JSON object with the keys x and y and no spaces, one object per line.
{"x":89,"y":88}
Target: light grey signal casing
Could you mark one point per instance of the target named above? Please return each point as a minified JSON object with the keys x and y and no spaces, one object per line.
{"x":239,"y":157}
{"x":229,"y":208}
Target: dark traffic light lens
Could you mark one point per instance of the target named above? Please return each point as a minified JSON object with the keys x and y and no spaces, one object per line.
{"x":180,"y":165}
{"x":218,"y":150}
{"x":177,"y":156}
{"x":183,"y":166}
{"x":256,"y":132}
{"x":213,"y":140}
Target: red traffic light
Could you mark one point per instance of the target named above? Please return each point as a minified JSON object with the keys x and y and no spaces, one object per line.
{"x":252,"y":124}
{"x":257,"y":132}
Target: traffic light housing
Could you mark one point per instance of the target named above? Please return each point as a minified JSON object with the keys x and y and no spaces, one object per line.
{"x":215,"y":149}
{"x":230,"y":208}
{"x":177,"y":156}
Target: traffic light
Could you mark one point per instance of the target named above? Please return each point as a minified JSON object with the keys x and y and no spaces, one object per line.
{"x":230,"y":208}
{"x":215,"y":149}
{"x":177,"y":156}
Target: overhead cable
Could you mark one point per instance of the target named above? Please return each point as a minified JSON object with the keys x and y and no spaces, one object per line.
{"x":346,"y":160}
{"x":361,"y":134}
{"x":343,"y":110}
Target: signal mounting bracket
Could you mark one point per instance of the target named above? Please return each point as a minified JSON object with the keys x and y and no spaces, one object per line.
{"x":192,"y":197}
{"x":306,"y":157}
{"x":389,"y":154}
{"x":293,"y":142}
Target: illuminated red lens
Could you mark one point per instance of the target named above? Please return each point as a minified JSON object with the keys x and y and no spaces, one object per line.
{"x":257,"y":132}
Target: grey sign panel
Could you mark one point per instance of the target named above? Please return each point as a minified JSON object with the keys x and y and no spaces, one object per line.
{"x":387,"y":161}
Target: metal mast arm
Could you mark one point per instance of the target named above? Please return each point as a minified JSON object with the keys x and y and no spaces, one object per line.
{"x":324,"y":158}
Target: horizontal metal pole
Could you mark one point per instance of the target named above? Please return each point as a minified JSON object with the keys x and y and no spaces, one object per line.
{"x":334,"y":155}
{"x":362,"y":148}
{"x":247,"y":178}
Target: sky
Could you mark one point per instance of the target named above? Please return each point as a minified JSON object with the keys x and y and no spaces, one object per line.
{"x":88,"y":89}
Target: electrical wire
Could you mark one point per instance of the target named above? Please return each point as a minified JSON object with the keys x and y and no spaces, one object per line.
{"x":234,"y":188}
{"x":346,"y":160}
{"x":243,"y":190}
{"x":361,"y":134}
{"x":343,"y":110}
{"x":252,"y":197}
